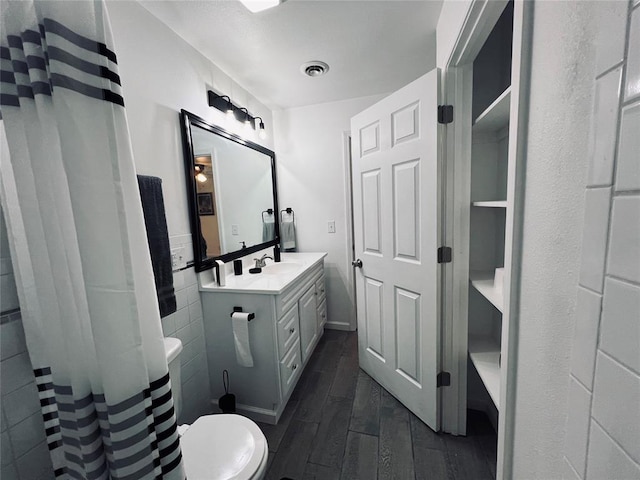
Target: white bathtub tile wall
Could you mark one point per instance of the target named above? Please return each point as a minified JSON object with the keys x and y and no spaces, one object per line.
{"x":583,"y":359}
{"x":7,"y":282}
{"x":23,"y":451}
{"x":606,"y":456}
{"x":619,"y":320}
{"x":608,"y":327}
{"x":578,"y":426}
{"x":603,"y":133}
{"x":596,"y":217}
{"x":632,"y":83}
{"x":187,"y":325}
{"x":624,"y":243}
{"x":628,"y":171}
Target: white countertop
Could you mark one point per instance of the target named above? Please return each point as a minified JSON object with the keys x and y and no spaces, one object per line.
{"x":293,"y":266}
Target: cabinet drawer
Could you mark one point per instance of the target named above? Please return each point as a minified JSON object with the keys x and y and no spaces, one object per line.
{"x":320,"y":289}
{"x":291,"y":295}
{"x":288,"y":331}
{"x":290,"y":368}
{"x":322,"y":315}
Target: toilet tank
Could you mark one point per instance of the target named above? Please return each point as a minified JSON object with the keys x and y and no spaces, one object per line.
{"x":173,"y":347}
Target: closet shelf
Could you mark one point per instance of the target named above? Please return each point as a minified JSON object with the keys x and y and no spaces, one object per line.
{"x":491,"y":204}
{"x":496,"y":116}
{"x":485,"y":356}
{"x":483,"y":283}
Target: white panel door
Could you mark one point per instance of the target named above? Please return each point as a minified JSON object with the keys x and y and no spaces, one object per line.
{"x":396,"y":229}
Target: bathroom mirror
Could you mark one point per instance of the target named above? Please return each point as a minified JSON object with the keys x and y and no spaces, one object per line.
{"x":231,"y":183}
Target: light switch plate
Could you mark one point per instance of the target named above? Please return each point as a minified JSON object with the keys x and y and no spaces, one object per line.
{"x":234,"y":229}
{"x":332,"y":226}
{"x":178,"y":258}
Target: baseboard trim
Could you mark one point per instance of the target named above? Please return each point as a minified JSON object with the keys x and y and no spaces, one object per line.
{"x":338,"y":326}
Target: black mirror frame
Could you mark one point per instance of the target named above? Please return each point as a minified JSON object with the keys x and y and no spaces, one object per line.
{"x":188,"y":119}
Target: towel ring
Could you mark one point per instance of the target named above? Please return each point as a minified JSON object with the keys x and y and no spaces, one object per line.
{"x":268,"y":211}
{"x":290,"y":211}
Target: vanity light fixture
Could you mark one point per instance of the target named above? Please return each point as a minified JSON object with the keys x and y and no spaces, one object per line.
{"x":224,"y":104}
{"x":262,"y":133}
{"x":245,"y":118}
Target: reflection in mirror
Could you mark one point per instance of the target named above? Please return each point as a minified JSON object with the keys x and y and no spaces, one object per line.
{"x":231,"y":185}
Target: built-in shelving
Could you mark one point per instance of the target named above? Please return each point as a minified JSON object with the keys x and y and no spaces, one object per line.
{"x":491,"y":204}
{"x":496,"y":116}
{"x":483,"y":283}
{"x":485,"y":355}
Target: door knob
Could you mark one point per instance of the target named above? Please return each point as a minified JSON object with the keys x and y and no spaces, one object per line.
{"x":357,"y":263}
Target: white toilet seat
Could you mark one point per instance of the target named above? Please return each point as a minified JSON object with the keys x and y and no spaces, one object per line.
{"x":217,"y":447}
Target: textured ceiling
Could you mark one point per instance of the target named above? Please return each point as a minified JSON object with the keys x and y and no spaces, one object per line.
{"x":371,"y":46}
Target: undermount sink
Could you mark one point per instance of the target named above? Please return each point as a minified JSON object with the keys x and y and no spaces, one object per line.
{"x":280,"y":268}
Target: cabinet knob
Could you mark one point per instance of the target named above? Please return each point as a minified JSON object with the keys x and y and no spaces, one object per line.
{"x":295,"y":365}
{"x":324,"y":315}
{"x":292,"y":330}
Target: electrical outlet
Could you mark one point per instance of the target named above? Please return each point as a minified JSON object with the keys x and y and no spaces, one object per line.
{"x":332,"y":226}
{"x":234,"y":229}
{"x":178,"y":259}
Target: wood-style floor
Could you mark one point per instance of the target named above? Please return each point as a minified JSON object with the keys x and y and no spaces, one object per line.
{"x":340,"y":424}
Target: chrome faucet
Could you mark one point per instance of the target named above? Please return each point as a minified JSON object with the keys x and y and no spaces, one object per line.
{"x":260,"y":262}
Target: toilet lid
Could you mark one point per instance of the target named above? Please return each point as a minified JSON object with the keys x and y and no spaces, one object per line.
{"x":222,"y":447}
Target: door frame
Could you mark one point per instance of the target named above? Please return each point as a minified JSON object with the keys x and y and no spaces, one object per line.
{"x":348,"y":228}
{"x":457,"y":85}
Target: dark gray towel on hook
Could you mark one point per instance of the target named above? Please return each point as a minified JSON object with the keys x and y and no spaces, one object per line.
{"x":158,"y":239}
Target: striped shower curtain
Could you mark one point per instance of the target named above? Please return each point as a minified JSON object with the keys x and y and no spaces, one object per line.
{"x":78,"y":244}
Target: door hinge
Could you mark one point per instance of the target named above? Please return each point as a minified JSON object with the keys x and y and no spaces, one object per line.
{"x":444,"y":255}
{"x":443,"y":379}
{"x":445,"y":114}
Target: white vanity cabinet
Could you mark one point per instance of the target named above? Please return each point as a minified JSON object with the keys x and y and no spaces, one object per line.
{"x":289,"y":303}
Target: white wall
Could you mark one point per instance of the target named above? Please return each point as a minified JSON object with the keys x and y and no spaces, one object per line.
{"x":161,"y":74}
{"x":312,"y":180}
{"x":561,"y":96}
{"x":603,"y":427}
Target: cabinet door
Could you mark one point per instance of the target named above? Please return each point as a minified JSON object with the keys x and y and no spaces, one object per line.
{"x":308,"y":322}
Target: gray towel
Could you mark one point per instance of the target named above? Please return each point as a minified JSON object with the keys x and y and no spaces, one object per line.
{"x":158,"y":239}
{"x":288,"y":236}
{"x":268,"y":231}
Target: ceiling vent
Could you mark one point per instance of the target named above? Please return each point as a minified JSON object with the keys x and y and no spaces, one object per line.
{"x":314,"y":68}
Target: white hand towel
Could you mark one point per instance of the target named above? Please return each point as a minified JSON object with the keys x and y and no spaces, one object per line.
{"x":240,"y":325}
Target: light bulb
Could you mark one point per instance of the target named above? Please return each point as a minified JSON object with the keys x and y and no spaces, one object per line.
{"x":262,"y":133}
{"x":201,"y":177}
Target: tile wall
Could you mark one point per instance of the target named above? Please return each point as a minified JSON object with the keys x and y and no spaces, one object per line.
{"x":603,"y":426}
{"x":187,"y":325}
{"x":23,"y":451}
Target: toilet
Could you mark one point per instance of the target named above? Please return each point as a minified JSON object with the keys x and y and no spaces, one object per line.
{"x":216,"y":447}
